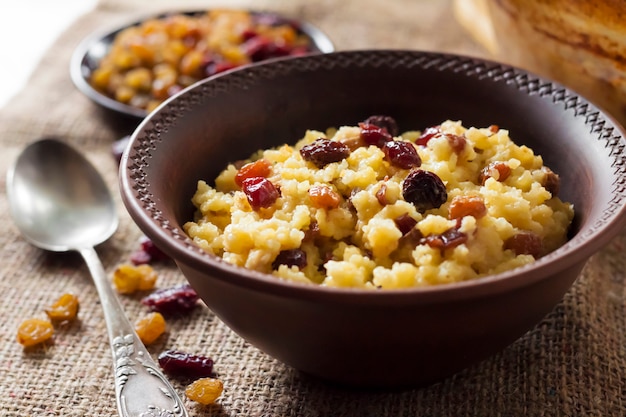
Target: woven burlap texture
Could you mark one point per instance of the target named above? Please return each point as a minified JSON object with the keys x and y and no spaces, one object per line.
{"x":573,"y":363}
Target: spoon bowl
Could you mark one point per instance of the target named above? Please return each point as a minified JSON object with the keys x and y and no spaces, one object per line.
{"x":60,"y":202}
{"x":53,"y":212}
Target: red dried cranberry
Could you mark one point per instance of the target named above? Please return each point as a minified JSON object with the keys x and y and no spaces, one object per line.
{"x":424,"y":189}
{"x":217,"y":67}
{"x":260,"y":192}
{"x":175,"y":362}
{"x":178,"y":300}
{"x":290,"y":257}
{"x":401,"y":154}
{"x":428,"y":134}
{"x":148,"y":253}
{"x":405,"y":223}
{"x":451,"y":238}
{"x":260,"y":48}
{"x":324,"y":151}
{"x":374,"y":135}
{"x":140,"y":257}
{"x":386,"y":122}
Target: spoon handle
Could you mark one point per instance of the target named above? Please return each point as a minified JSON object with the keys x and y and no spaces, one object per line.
{"x":141,"y":389}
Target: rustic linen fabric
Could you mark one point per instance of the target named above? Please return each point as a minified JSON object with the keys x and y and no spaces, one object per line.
{"x":573,"y":363}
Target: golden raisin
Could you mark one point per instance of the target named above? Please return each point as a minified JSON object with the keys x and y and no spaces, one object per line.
{"x":525,"y":243}
{"x":130,"y":278}
{"x":466,"y":205}
{"x":205,"y":390}
{"x":32,"y":332}
{"x":65,"y":308}
{"x":497,"y":170}
{"x":323,"y":196}
{"x":260,"y":168}
{"x":150,"y":327}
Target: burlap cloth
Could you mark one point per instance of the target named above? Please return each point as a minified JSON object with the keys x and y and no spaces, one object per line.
{"x":573,"y":363}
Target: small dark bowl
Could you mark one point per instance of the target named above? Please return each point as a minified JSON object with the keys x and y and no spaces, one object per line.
{"x":91,"y":50}
{"x":361,"y":337}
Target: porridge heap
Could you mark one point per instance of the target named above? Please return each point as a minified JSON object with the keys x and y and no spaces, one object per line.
{"x":367,"y":207}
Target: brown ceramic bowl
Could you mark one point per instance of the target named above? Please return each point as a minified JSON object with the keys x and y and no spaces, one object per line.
{"x":361,"y":337}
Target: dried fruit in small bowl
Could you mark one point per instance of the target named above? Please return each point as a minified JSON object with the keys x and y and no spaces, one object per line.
{"x":155,"y":59}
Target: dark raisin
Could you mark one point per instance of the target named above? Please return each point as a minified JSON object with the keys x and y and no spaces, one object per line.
{"x":313,"y":232}
{"x":381,"y":195}
{"x":178,"y":300}
{"x":412,"y":238}
{"x":401,"y":154}
{"x":178,"y":363}
{"x":290,"y":257}
{"x":525,"y":243}
{"x":428,"y":134}
{"x":497,"y":170}
{"x":323,"y":152}
{"x":405,"y":223}
{"x":451,"y":238}
{"x":456,"y":142}
{"x":424,"y":189}
{"x":374,"y":135}
{"x":551,"y":182}
{"x":386,"y":122}
{"x":260,"y":192}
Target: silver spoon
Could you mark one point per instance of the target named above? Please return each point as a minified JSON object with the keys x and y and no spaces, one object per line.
{"x":60,"y":203}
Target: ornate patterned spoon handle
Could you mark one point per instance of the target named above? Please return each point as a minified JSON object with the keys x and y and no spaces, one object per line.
{"x":141,"y":389}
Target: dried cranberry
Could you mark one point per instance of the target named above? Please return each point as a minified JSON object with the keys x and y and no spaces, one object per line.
{"x":217,"y":67}
{"x":290,"y":257}
{"x":184,"y":364}
{"x":428,"y":134}
{"x":260,"y":48}
{"x":148,"y":253}
{"x":401,"y":154}
{"x":260,"y":192}
{"x":451,"y":238}
{"x":374,"y":135}
{"x":140,"y":257}
{"x":405,"y":223}
{"x":324,"y":151}
{"x":424,"y":189}
{"x":178,"y":300}
{"x":386,"y":122}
